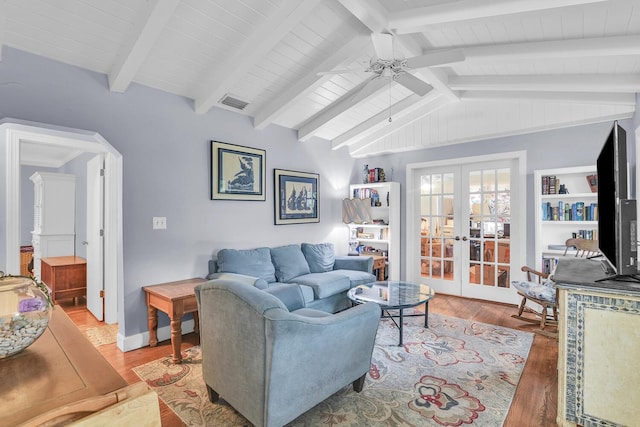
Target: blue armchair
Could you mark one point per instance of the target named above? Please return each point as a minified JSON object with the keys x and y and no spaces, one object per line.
{"x":271,"y":358}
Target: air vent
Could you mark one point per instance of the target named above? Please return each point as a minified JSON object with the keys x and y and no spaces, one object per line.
{"x":233,"y":102}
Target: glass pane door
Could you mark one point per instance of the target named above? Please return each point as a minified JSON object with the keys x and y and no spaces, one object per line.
{"x":437,"y":228}
{"x":489,"y":204}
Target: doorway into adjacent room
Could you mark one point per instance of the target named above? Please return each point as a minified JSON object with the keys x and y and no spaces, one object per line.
{"x":466,"y":225}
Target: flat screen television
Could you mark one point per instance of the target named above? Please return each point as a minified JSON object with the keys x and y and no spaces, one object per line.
{"x":616,"y":212}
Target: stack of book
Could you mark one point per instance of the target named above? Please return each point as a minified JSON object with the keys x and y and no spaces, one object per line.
{"x":563,"y":211}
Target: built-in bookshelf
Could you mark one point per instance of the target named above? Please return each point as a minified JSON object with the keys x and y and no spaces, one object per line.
{"x":566,"y":203}
{"x":382,"y":236}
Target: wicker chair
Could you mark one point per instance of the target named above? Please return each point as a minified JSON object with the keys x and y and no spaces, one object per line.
{"x":541,"y":291}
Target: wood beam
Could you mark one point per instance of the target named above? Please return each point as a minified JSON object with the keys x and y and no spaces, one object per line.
{"x":254,"y":48}
{"x":140,"y":43}
{"x":627,"y":83}
{"x":310,"y":82}
{"x":627,"y":99}
{"x":415,"y":20}
{"x":572,"y":48}
{"x":319,"y":120}
{"x":435,"y":104}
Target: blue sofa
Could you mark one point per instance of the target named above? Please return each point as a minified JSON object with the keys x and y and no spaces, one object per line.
{"x":324,"y":278}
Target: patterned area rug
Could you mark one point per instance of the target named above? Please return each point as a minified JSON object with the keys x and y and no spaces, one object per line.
{"x":101,"y":335}
{"x":454,"y":373}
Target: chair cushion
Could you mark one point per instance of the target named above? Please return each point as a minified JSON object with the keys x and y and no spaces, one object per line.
{"x":289,"y":262}
{"x":325,"y":284}
{"x":543,"y":291}
{"x":320,"y":256}
{"x":250,"y":262}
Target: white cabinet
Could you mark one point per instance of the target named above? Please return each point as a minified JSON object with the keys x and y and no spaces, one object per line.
{"x":54,"y":216}
{"x":383,"y":236}
{"x":563,"y":216}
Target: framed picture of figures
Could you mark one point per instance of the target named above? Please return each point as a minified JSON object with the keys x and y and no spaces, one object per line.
{"x":296,"y":197}
{"x":237,"y":172}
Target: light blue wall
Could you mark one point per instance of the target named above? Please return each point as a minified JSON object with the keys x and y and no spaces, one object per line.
{"x":575,"y":146}
{"x":165,"y":148}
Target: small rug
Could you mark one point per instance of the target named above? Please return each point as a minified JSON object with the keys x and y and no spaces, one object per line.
{"x":453,"y":373}
{"x":101,"y":335}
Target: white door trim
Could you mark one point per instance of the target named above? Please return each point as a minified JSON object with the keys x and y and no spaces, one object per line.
{"x":13,"y":132}
{"x":412,"y":232}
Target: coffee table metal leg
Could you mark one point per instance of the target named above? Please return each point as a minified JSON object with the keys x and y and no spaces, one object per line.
{"x":426,"y":314}
{"x":400,"y":326}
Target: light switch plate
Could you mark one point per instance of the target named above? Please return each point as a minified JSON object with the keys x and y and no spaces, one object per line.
{"x":159,"y":222}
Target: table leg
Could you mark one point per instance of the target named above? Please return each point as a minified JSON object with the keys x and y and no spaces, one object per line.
{"x":152,"y":313}
{"x":426,"y":314}
{"x":196,"y":322}
{"x":176,"y":339}
{"x":400,"y":326}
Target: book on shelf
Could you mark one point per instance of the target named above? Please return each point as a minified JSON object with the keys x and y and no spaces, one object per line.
{"x":564,"y":211}
{"x":592,"y":180}
{"x":549,"y":264}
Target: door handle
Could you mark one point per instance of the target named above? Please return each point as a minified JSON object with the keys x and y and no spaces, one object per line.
{"x":457,"y":237}
{"x":464,"y":238}
{"x":84,"y":242}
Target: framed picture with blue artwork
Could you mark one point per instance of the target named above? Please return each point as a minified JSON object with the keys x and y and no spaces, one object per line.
{"x":237,"y":172}
{"x":296,"y":197}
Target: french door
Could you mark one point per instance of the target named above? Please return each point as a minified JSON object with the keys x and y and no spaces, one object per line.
{"x":469,"y":219}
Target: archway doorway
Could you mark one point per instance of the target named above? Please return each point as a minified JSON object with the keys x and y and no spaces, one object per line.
{"x":14,"y":133}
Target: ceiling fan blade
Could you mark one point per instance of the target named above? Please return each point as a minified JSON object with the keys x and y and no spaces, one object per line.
{"x":372,"y":85}
{"x":413,"y":83}
{"x":436,"y":58}
{"x":383,"y":45}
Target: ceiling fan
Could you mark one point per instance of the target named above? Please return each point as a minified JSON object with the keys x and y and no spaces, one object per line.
{"x":386,"y":67}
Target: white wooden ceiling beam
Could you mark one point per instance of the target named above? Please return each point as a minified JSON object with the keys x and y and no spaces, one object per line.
{"x":224,"y":75}
{"x":629,"y":83}
{"x":417,"y":19}
{"x":627,"y":99}
{"x":396,"y":125}
{"x":572,"y":48}
{"x":307,"y":84}
{"x":323,"y":117}
{"x":380,"y":120}
{"x":140,"y":43}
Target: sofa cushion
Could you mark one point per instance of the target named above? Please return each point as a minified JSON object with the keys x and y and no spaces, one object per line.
{"x":324,"y":284}
{"x":289,"y":262}
{"x":357,"y":277}
{"x":250,"y":262}
{"x":320,"y":256}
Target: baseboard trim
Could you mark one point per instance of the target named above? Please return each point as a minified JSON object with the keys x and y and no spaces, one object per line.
{"x":134,"y":342}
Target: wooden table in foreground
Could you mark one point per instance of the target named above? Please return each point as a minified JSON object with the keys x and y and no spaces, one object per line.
{"x":57,"y":371}
{"x":175,"y":299}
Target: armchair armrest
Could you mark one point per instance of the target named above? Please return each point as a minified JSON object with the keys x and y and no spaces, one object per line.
{"x":359,"y":263}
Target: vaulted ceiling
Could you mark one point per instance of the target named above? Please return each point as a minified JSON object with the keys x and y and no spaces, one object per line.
{"x":485,"y":68}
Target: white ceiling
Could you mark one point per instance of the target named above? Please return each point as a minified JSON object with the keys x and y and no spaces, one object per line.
{"x":529,"y":65}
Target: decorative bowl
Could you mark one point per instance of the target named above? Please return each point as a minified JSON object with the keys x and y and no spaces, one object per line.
{"x":25,"y":311}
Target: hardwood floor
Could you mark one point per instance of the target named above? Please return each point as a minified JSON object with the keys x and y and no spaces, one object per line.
{"x":534,"y":404}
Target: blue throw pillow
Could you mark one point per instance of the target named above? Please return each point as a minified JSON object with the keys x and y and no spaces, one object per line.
{"x":289,"y":262}
{"x":250,"y":262}
{"x":320,"y":256}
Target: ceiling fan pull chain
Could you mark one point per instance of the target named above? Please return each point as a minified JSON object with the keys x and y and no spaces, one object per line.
{"x":390,"y":100}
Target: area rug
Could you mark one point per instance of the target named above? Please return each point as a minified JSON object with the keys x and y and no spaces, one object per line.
{"x":453,"y":373}
{"x":101,"y":335}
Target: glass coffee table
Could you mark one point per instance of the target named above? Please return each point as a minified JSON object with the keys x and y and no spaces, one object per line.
{"x":394,"y":295}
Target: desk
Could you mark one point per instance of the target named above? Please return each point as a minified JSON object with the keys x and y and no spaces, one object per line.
{"x":175,"y":299}
{"x":60,"y":368}
{"x":66,"y":276}
{"x":379,"y":263}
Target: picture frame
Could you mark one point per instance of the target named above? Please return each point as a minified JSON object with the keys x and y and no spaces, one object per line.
{"x":237,"y":172}
{"x":296,"y":197}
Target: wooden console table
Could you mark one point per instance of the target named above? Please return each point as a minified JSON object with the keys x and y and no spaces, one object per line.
{"x":57,"y":372}
{"x":379,"y":264}
{"x":175,"y":299}
{"x":66,"y":276}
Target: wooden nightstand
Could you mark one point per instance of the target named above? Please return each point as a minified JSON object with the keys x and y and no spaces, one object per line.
{"x":66,"y":276}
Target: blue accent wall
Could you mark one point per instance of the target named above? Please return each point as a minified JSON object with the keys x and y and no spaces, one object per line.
{"x":165,"y":149}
